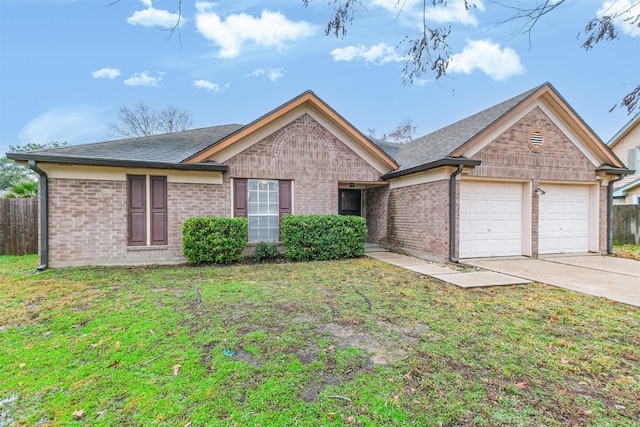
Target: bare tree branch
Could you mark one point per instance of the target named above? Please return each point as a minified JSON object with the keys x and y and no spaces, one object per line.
{"x":144,"y":121}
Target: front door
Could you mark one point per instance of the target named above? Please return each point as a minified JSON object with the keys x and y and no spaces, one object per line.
{"x":349,"y":202}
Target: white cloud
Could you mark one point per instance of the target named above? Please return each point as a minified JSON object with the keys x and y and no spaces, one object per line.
{"x":378,"y":54}
{"x":143,"y":79}
{"x":207,"y":85}
{"x":151,"y":17}
{"x":626,"y":11}
{"x":77,"y":124}
{"x":272,"y":74}
{"x":410,"y":12}
{"x":487,"y":57}
{"x":106,"y":73}
{"x":271,"y":29}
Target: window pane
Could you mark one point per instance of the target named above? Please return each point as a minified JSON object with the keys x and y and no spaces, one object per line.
{"x":253,"y":208}
{"x":263,"y":210}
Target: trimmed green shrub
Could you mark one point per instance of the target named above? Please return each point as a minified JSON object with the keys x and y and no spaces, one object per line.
{"x":214,"y":239}
{"x":320,"y":237}
{"x":265,"y":250}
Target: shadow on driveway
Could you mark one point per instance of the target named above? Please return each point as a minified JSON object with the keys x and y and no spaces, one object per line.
{"x":617,"y":279}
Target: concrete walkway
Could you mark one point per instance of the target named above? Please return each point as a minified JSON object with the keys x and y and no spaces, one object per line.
{"x":471,"y":279}
{"x":617,"y":279}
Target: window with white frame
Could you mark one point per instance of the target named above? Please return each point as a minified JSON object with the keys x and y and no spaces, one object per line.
{"x":263,"y":211}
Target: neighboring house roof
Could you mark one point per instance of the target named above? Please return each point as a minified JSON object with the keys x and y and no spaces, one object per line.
{"x":151,"y":151}
{"x":622,"y":191}
{"x":624,"y":131}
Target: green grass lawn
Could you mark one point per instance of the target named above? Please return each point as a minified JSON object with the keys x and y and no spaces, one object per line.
{"x":627,"y":251}
{"x":355,"y":342}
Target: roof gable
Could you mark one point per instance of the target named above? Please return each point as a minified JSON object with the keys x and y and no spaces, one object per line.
{"x":307,"y":103}
{"x":443,"y":142}
{"x":468,"y":136}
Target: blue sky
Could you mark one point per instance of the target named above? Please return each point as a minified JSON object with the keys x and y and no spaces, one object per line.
{"x":67,"y":66}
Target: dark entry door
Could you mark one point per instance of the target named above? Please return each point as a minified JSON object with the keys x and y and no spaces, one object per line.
{"x":349,"y":202}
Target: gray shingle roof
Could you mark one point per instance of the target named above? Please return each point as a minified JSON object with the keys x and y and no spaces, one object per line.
{"x":164,"y":148}
{"x":442,"y":143}
{"x":174,"y":148}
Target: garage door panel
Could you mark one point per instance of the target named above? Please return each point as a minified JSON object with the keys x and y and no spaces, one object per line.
{"x":563,"y":219}
{"x":490,"y":219}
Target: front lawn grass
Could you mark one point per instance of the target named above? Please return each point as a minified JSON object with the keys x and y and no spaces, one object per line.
{"x":355,"y":342}
{"x":627,"y":251}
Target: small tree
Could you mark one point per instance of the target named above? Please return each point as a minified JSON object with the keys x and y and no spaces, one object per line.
{"x":143,"y":120}
{"x":23,"y":190}
{"x":12,"y":172}
{"x":404,"y":132}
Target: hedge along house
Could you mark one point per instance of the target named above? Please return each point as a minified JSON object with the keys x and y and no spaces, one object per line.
{"x":524,"y":177}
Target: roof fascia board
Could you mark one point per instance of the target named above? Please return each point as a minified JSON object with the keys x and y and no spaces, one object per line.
{"x":513,"y":111}
{"x":441,"y":173}
{"x":566,"y":112}
{"x":117,"y":173}
{"x":249,"y":129}
{"x":23,"y":157}
{"x":433,"y":165}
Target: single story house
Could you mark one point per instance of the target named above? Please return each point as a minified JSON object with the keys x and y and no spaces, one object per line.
{"x":524,"y":177}
{"x":626,"y":145}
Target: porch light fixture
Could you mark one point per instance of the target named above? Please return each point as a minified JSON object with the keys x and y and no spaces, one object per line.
{"x":540,"y":192}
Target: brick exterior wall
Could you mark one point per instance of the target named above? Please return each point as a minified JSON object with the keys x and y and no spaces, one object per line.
{"x":88,"y":218}
{"x":413,"y":220}
{"x":509,"y":155}
{"x":88,"y":221}
{"x":305,"y":152}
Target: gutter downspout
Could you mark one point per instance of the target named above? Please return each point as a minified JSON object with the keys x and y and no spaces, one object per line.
{"x":44,"y":217}
{"x":452,"y":214}
{"x":610,"y":215}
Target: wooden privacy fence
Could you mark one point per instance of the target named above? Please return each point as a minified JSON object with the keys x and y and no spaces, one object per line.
{"x":626,"y":224}
{"x":18,"y":226}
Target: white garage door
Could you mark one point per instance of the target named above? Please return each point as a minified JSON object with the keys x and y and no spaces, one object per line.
{"x":490,"y":219}
{"x":563,"y":219}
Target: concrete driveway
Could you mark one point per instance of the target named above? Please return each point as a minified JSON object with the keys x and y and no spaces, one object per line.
{"x":614,"y":278}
